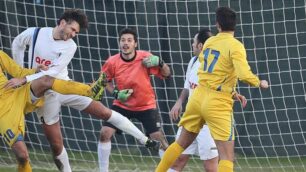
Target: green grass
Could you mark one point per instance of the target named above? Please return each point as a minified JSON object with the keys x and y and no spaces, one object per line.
{"x":121,"y":160}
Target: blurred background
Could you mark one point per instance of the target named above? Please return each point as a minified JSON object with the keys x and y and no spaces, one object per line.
{"x":270,"y":131}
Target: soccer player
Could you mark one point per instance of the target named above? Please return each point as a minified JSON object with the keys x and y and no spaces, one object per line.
{"x":222,"y":62}
{"x":134,"y":96}
{"x":55,"y":48}
{"x":203,"y":145}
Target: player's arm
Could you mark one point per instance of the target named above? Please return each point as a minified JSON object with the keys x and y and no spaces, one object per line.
{"x":243,"y":69}
{"x":11,"y":67}
{"x":121,"y":95}
{"x":177,"y":108}
{"x":240,"y":98}
{"x":16,"y":71}
{"x":156,"y":61}
{"x":57,"y":66}
{"x":110,"y":87}
{"x":19,"y":45}
{"x":165,"y":70}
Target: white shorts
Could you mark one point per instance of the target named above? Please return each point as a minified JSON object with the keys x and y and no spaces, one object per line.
{"x":49,"y":112}
{"x":203,"y":146}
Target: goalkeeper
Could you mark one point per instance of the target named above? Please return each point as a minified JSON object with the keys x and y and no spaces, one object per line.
{"x":134,"y":96}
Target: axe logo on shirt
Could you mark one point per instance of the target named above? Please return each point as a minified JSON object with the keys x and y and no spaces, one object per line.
{"x":43,"y":61}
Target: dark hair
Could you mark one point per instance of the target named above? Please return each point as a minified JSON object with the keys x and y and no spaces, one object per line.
{"x":128,"y":31}
{"x":226,"y":18}
{"x":203,"y":35}
{"x":75,"y":15}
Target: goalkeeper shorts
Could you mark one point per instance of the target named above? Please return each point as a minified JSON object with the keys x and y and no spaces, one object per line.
{"x":150,"y":119}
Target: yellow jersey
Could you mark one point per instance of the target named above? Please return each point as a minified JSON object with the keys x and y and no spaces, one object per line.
{"x":7,"y":65}
{"x":223,"y":61}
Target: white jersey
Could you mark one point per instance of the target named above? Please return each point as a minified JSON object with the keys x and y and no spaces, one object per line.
{"x":56,"y":54}
{"x":191,"y":80}
{"x":204,"y":145}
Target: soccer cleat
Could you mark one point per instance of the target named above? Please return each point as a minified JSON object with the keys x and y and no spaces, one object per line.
{"x":97,"y":88}
{"x":152,"y":145}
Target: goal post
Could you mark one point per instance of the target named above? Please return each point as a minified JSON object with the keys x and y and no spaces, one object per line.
{"x":270,"y":131}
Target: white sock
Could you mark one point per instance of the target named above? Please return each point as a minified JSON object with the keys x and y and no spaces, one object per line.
{"x":171,"y":170}
{"x":161,"y":152}
{"x":104,"y":151}
{"x":124,"y":124}
{"x":64,"y":161}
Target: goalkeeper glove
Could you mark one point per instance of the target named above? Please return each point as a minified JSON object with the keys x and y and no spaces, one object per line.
{"x":122,"y":95}
{"x":153,"y":61}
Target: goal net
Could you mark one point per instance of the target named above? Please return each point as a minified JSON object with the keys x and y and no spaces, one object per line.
{"x":270,"y":131}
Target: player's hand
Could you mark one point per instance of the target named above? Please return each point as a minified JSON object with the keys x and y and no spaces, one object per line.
{"x":15,"y":83}
{"x":41,"y":67}
{"x":152,"y":61}
{"x":176,"y":111}
{"x":241,"y":99}
{"x":264,"y":84}
{"x":122,"y":95}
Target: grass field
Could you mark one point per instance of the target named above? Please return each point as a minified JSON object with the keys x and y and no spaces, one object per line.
{"x":86,"y":162}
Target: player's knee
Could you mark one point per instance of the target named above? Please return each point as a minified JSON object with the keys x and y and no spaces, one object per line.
{"x":56,"y":148}
{"x":210,"y":169}
{"x":157,"y":135}
{"x":98,"y":110}
{"x":211,"y":165}
{"x":105,"y":135}
{"x":22,"y":157}
{"x":104,"y":112}
{"x":46,"y":82}
{"x":182,"y":159}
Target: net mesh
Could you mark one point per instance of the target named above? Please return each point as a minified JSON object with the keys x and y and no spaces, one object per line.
{"x":270,"y":130}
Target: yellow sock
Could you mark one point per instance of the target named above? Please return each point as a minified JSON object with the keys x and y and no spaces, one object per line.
{"x":170,"y":155}
{"x":225,"y":166}
{"x":71,"y":87}
{"x":25,"y":168}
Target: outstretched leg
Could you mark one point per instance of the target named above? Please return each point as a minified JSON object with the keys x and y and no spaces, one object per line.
{"x":98,"y":110}
{"x":39,"y":86}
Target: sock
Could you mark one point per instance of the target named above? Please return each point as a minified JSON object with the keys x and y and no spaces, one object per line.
{"x":104,"y":151}
{"x":62,"y":161}
{"x":170,"y":155}
{"x":225,"y":166}
{"x":161,"y":153}
{"x":127,"y":126}
{"x":25,"y":168}
{"x":71,"y":87}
